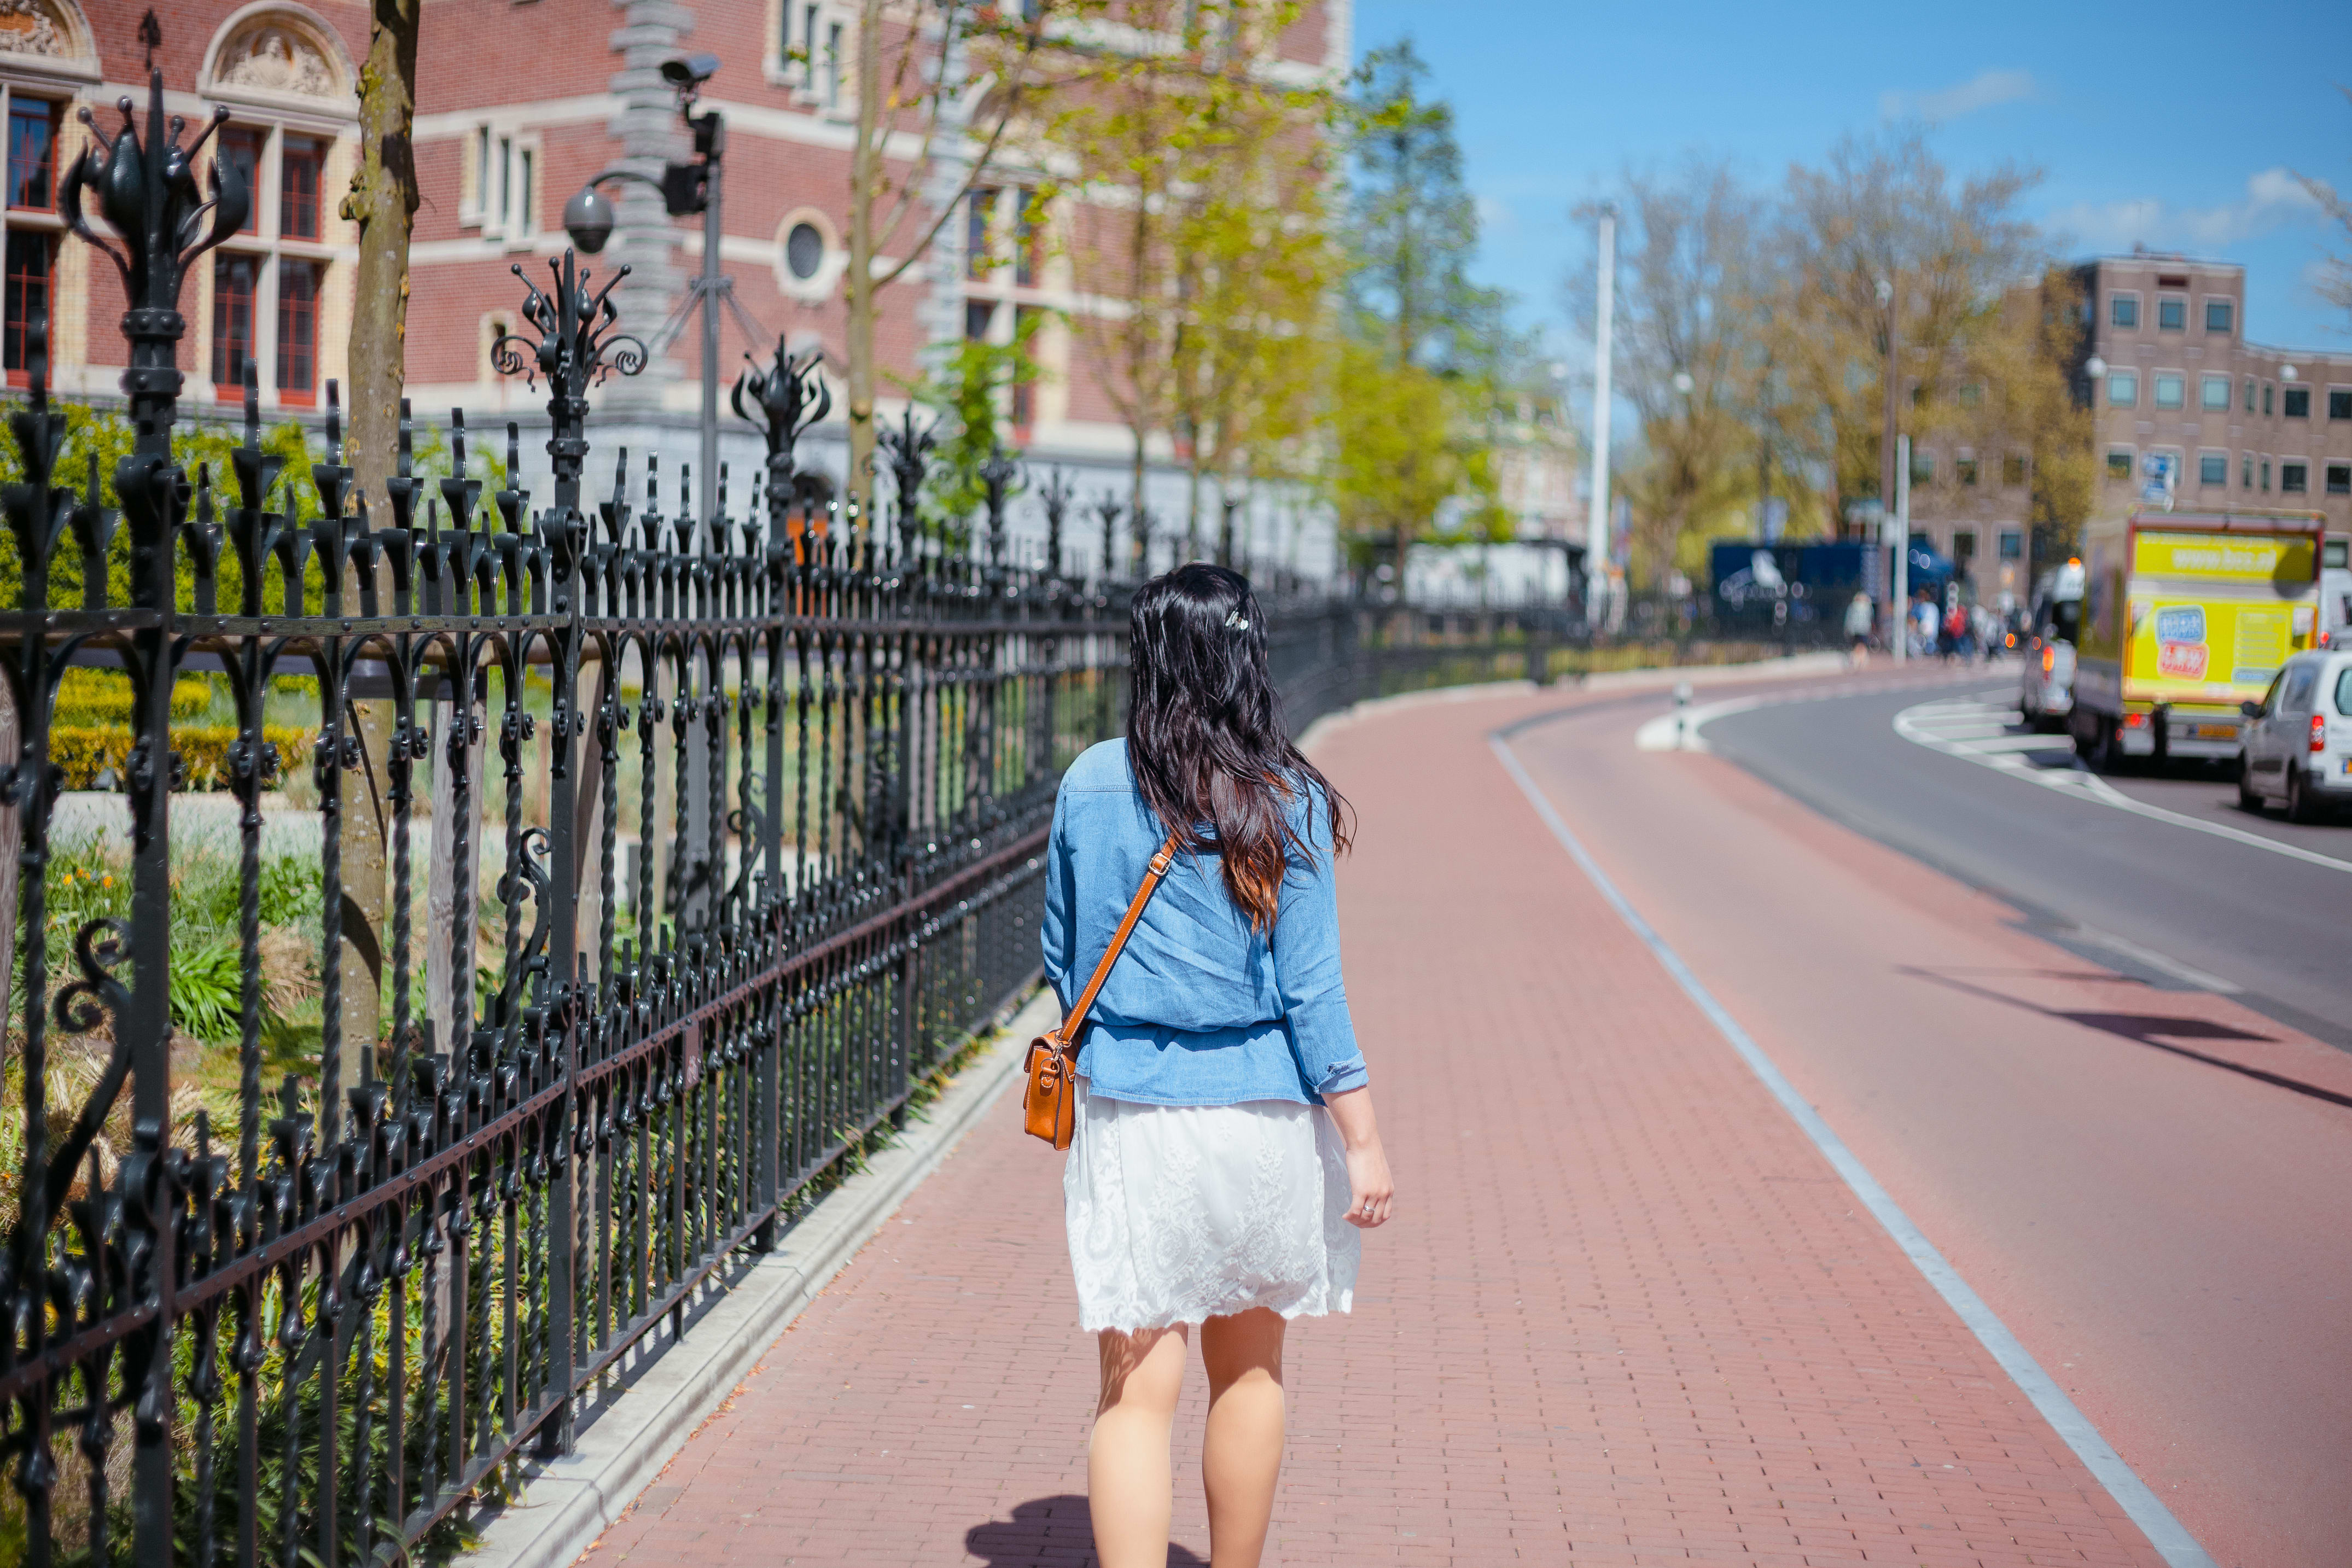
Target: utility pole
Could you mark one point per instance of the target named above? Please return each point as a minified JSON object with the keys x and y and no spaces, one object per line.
{"x":1895,"y":468}
{"x":1901,"y":447}
{"x":1596,"y":524}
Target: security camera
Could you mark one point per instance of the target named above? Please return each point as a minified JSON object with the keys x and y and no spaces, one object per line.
{"x":686,"y":73}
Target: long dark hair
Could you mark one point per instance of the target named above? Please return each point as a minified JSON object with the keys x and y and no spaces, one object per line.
{"x":1204,"y":734}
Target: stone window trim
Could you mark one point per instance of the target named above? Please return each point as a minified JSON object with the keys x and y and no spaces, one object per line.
{"x":57,"y":56}
{"x":269,"y":248}
{"x":2339,"y":478}
{"x":2168,"y":389}
{"x":2172,"y":312}
{"x":825,"y":78}
{"x":2225,"y":308}
{"x":2121,"y":460}
{"x":822,"y":285}
{"x":2213,"y":394}
{"x":2213,"y":468}
{"x":2294,"y":476}
{"x":2123,"y":309}
{"x":2339,"y":402}
{"x":502,"y":183}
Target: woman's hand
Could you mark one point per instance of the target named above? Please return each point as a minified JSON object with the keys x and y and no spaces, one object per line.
{"x":1370,"y":1188}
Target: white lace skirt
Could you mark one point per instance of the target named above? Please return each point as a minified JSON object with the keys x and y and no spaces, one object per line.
{"x":1180,"y":1213}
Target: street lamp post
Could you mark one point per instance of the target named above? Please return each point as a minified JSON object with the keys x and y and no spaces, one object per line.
{"x":685,"y":189}
{"x":1894,"y":477}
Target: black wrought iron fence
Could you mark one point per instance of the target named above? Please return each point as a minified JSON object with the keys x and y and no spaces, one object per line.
{"x":703,"y":839}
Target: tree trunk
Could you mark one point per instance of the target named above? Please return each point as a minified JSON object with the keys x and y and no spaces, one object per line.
{"x":383,"y":202}
{"x":864,"y":166}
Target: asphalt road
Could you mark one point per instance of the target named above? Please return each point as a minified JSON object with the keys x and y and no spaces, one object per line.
{"x":2079,"y":871}
{"x":2149,"y":1181}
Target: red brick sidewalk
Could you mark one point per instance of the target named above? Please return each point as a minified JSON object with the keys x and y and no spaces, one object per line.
{"x":1626,"y":1313}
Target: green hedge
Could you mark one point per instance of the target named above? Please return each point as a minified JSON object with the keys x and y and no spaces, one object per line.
{"x":89,"y":698}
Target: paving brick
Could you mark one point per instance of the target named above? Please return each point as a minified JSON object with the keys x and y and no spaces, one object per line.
{"x":1625,"y":1314}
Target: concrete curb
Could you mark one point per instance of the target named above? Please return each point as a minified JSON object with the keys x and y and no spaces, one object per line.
{"x":568,"y":1503}
{"x":1660,"y":679}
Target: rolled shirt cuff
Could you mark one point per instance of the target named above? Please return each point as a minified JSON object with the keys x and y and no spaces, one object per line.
{"x":1343,"y":1076}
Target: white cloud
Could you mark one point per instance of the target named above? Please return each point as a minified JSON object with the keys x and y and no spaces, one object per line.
{"x":1983,"y":90}
{"x":2274,"y":196}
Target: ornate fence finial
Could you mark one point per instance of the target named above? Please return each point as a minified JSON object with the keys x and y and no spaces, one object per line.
{"x":1109,"y":508}
{"x":1055,"y":493}
{"x":996,"y":475}
{"x":785,"y":400}
{"x":574,"y":345}
{"x":907,"y":449}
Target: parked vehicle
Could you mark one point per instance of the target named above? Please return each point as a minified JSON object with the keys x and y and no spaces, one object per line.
{"x":2334,"y":590}
{"x":2046,"y":687}
{"x":2186,"y":616}
{"x":2297,"y":748}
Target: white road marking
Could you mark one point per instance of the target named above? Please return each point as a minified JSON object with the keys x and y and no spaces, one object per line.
{"x":2166,"y":1534}
{"x":1964,"y":727}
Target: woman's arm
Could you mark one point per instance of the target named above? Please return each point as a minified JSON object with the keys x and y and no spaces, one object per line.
{"x":1368,"y":1186}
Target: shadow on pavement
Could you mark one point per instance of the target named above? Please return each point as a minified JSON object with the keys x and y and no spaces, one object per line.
{"x":1049,"y":1532}
{"x":2152,"y":1029}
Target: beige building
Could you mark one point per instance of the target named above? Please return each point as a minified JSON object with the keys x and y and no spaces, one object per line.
{"x":2179,"y":398}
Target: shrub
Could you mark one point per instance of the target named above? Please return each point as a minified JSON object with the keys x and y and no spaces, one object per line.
{"x":94,"y":697}
{"x":86,"y":751}
{"x":206,"y":981}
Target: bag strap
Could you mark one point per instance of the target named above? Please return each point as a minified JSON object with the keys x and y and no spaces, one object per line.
{"x":1075,"y":1025}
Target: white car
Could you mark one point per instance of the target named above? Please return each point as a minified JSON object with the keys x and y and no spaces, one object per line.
{"x":2045,"y":686}
{"x":2296,"y":744}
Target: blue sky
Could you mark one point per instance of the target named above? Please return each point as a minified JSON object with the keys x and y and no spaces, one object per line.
{"x":2168,"y":123}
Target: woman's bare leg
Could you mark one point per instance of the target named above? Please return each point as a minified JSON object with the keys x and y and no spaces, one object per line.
{"x":1242,"y":1455}
{"x":1128,"y":1481}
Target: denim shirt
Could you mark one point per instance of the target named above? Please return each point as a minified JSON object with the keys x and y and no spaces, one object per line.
{"x":1198,"y":1009}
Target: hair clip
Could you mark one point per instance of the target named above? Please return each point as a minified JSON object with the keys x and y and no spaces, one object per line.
{"x":1234,"y":622}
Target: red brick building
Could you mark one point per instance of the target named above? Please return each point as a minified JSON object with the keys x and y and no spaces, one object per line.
{"x":519,"y":104}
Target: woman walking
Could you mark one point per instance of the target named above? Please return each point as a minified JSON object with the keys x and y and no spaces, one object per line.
{"x":1225,"y":1156}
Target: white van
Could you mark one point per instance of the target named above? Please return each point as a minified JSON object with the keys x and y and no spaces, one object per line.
{"x":2296,"y":744}
{"x":2046,"y":687}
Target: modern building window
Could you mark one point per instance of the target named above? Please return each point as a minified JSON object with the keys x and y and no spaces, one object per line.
{"x":979,"y":218}
{"x":1923,"y":467}
{"x":2339,"y":402}
{"x":2012,"y":469}
{"x":31,"y":264}
{"x":2266,"y":396}
{"x":2339,"y":478}
{"x":233,"y":290}
{"x":2123,"y":310}
{"x":2171,"y":314}
{"x":2123,"y":389}
{"x":2249,"y":394}
{"x":2171,"y":390}
{"x":2265,"y":472}
{"x":301,"y":162}
{"x":2213,"y":392}
{"x":2012,"y":544}
{"x":2246,"y":471}
{"x":2213,"y":468}
{"x":1964,"y":470}
{"x":2220,"y":315}
{"x":979,"y":315}
{"x":2119,"y":463}
{"x":1024,"y":392}
{"x":32,"y":155}
{"x":298,"y":331}
{"x":2294,"y":402}
{"x":2293,"y":478}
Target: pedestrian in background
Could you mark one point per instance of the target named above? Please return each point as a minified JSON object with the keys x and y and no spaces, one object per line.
{"x":1860,"y":616}
{"x":1225,"y":1156}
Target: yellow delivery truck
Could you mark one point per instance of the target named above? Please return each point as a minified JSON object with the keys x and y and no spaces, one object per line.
{"x":2185,"y":615}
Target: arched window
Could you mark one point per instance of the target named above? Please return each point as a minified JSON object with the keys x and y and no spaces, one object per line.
{"x":284,"y":75}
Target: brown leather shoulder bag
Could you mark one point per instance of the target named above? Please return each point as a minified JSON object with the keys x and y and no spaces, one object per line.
{"x":1050,"y":1104}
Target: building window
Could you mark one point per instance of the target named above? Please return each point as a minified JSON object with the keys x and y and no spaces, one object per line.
{"x":1923,"y":467}
{"x":506,"y":185}
{"x":2249,"y":394}
{"x":2171,"y":390}
{"x":979,"y":315}
{"x":2265,"y":472}
{"x":833,"y":66}
{"x":233,"y":290}
{"x":2119,"y":463}
{"x":2213,"y":392}
{"x":1026,"y":237}
{"x":2220,"y":315}
{"x":804,"y":251}
{"x":808,"y":47}
{"x":2123,"y":389}
{"x":241,"y":147}
{"x":299,"y":165}
{"x":2266,"y":397}
{"x":32,"y":257}
{"x":2294,"y":402}
{"x":2012,"y":545}
{"x":2246,"y":471}
{"x":2339,"y":478}
{"x":32,"y":155}
{"x":2339,"y":402}
{"x":1964,"y":469}
{"x":2294,"y":478}
{"x":298,"y":331}
{"x":2123,"y":310}
{"x":2213,"y":468}
{"x":2171,"y":314}
{"x":978,"y":220}
{"x":2012,"y":469}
